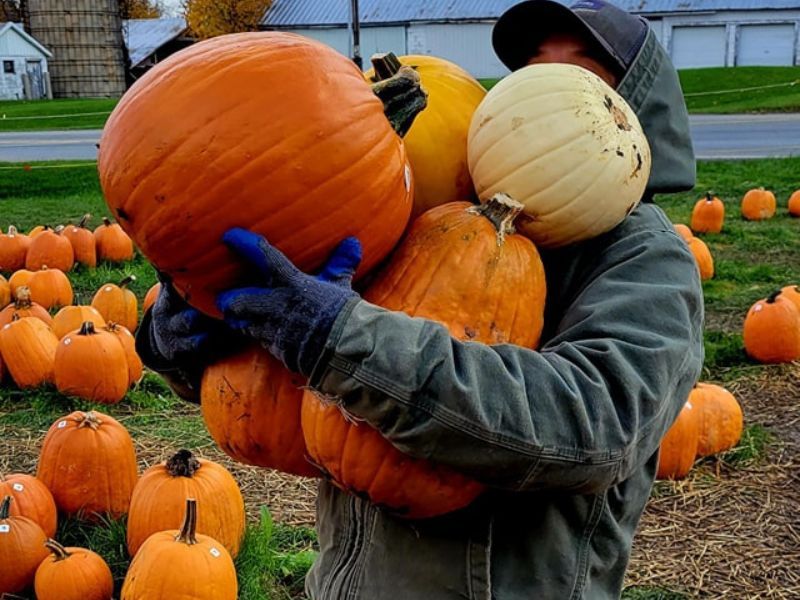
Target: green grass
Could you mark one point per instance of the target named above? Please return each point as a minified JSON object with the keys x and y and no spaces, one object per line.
{"x":738,"y":98}
{"x":752,"y":448}
{"x":651,"y":593}
{"x":30,"y":115}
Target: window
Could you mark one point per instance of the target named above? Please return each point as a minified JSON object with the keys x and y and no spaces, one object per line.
{"x":8,"y":66}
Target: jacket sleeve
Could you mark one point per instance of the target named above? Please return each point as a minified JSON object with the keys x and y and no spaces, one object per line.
{"x":581,"y":414}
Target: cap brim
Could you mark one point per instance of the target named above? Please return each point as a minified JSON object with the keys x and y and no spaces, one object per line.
{"x":518,"y":32}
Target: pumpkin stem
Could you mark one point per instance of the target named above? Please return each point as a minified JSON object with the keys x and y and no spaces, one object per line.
{"x":128,"y":280}
{"x":57,"y":549}
{"x":401,"y":92}
{"x":5,"y":508}
{"x":709,"y":196}
{"x":106,"y":222}
{"x":84,"y":220}
{"x":23,"y":295}
{"x":12,"y":230}
{"x":188,"y":533}
{"x":89,"y":419}
{"x":59,"y":229}
{"x":773,"y":296}
{"x":501,"y":210}
{"x":183,"y":464}
{"x":87,"y":328}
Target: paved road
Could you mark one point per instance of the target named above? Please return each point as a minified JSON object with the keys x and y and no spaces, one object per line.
{"x":715,"y":137}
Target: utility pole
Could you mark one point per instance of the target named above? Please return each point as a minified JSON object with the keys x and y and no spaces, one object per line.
{"x":355,"y":31}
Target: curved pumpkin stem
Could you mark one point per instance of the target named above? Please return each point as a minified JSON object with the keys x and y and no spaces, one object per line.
{"x":59,"y":230}
{"x":501,"y":210}
{"x":57,"y":549}
{"x":84,"y":220}
{"x":5,"y":508}
{"x":773,"y":296}
{"x":106,"y":221}
{"x":709,"y":196}
{"x":87,"y":328}
{"x":400,"y":89}
{"x":11,"y":230}
{"x":183,"y":464}
{"x":188,"y":532}
{"x":23,"y":299}
{"x":127,"y":281}
{"x":89,"y":419}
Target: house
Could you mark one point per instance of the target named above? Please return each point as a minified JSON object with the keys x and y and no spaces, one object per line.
{"x":697,"y":33}
{"x":150,"y":41}
{"x":24,"y":73}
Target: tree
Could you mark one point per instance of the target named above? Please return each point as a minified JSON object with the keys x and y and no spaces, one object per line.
{"x":11,"y":10}
{"x":140,"y":9}
{"x":210,"y":18}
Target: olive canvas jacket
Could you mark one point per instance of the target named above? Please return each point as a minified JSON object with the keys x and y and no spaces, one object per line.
{"x":566,"y":437}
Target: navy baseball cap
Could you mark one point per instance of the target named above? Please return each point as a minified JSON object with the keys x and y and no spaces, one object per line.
{"x":521,"y":29}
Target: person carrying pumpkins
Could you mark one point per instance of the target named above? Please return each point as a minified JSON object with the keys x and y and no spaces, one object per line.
{"x":566,"y":438}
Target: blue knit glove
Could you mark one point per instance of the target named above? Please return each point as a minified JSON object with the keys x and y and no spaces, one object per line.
{"x":290,"y":313}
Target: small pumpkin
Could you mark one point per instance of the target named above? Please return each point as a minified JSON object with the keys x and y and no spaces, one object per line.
{"x":28,"y":347}
{"x":13,"y":250}
{"x":112,"y":243}
{"x":794,"y":205}
{"x":21,"y":550}
{"x":117,"y":303}
{"x":89,"y":464}
{"x":70,"y":318}
{"x":708,"y":215}
{"x":792,"y":292}
{"x":159,"y":500}
{"x":73,"y":574}
{"x":181,"y":564}
{"x":51,"y":288}
{"x":151,"y":297}
{"x":19,"y":279}
{"x":559,"y":140}
{"x":720,"y":418}
{"x":683,"y":231}
{"x":758,"y":204}
{"x":92,"y":364}
{"x":679,"y":446}
{"x":703,"y":258}
{"x":31,"y":499}
{"x":83,"y":242}
{"x":5,"y":292}
{"x":51,"y":249}
{"x":23,"y":307}
{"x":251,"y":407}
{"x":772,"y":330}
{"x":125,"y":337}
{"x":462,"y":266}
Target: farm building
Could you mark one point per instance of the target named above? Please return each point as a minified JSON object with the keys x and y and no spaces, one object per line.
{"x":24,"y":65}
{"x":697,"y":33}
{"x":150,"y":41}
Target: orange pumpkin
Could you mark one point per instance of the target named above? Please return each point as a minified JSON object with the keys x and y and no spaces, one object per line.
{"x":19,"y":279}
{"x":5,"y":292}
{"x":21,"y":550}
{"x":117,"y":303}
{"x":708,"y":215}
{"x":73,"y":574}
{"x":794,"y":205}
{"x":50,"y":288}
{"x":772,"y":330}
{"x":37,"y":230}
{"x":13,"y":250}
{"x":462,"y":266}
{"x":112,"y":243}
{"x":758,"y":205}
{"x":83,"y":243}
{"x":251,"y":407}
{"x":50,"y":249}
{"x":125,"y":337}
{"x":89,"y":464}
{"x":70,"y":318}
{"x":720,"y":418}
{"x":703,"y":258}
{"x":28,"y":347}
{"x":310,"y":166}
{"x":92,"y":364}
{"x":161,"y":494}
{"x":181,"y":564}
{"x":792,"y":292}
{"x":31,"y":499}
{"x":151,"y":297}
{"x":679,"y":446}
{"x":24,"y":307}
{"x":683,"y":231}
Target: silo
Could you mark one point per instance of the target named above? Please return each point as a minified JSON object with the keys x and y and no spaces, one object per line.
{"x":85,"y":37}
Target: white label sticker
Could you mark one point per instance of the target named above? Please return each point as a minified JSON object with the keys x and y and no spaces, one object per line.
{"x":758,"y":308}
{"x":67,"y":341}
{"x":5,"y":528}
{"x":61,"y":424}
{"x":215,"y":553}
{"x":108,"y":288}
{"x":18,"y":487}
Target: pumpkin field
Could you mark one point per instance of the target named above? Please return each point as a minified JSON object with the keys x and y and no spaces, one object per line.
{"x":729,"y":529}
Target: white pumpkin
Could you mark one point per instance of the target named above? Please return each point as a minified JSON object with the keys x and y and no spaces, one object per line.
{"x":559,"y":140}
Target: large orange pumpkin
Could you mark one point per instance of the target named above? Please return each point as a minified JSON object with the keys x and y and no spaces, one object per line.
{"x":464,"y":267}
{"x":703,"y":258}
{"x":437,"y":141}
{"x":125,"y":337}
{"x":794,"y":204}
{"x":288,"y":141}
{"x":18,"y":279}
{"x":13,"y":249}
{"x":83,"y":243}
{"x":251,"y":406}
{"x":28,"y":347}
{"x":720,"y":416}
{"x":70,"y":318}
{"x":73,"y":574}
{"x":792,"y":292}
{"x":21,"y":550}
{"x":117,"y":303}
{"x":708,"y":215}
{"x":159,"y":501}
{"x":772,"y":330}
{"x":50,"y":249}
{"x":112,"y":243}
{"x":32,"y":499}
{"x":51,"y":288}
{"x":89,"y":463}
{"x":679,"y":446}
{"x":758,"y":204}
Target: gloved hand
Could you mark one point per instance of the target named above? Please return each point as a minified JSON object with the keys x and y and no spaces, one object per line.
{"x":290,"y":313}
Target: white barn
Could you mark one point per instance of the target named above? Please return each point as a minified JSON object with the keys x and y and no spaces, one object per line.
{"x":697,"y":33}
{"x":23,"y":65}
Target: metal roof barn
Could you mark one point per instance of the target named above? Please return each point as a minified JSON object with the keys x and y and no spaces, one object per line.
{"x":145,"y":36}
